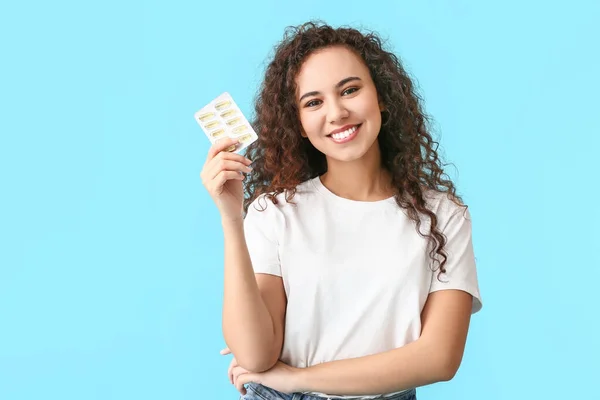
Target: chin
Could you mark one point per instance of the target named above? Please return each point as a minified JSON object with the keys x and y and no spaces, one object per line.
{"x":345,"y":157}
{"x":352,"y":153}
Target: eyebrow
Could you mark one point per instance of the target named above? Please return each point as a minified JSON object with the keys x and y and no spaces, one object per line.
{"x":338,"y":85}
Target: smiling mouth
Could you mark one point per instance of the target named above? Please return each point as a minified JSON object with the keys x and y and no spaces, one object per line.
{"x":345,"y":136}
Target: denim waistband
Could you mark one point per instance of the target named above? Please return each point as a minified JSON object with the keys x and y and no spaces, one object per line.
{"x":260,"y":392}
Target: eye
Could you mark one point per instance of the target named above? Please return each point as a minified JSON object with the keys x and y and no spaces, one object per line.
{"x":313,"y":103}
{"x":349,"y":91}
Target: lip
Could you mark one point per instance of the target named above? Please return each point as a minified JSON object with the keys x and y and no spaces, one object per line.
{"x":349,"y":138}
{"x":342,"y":129}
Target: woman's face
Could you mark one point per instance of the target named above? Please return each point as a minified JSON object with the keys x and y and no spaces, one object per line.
{"x":338,"y":104}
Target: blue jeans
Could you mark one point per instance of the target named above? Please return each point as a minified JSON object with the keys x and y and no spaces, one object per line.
{"x":259,"y":392}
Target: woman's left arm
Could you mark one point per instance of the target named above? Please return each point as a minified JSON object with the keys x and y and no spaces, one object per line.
{"x":434,"y":357}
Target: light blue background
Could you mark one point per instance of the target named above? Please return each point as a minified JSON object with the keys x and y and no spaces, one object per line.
{"x":111,"y":250}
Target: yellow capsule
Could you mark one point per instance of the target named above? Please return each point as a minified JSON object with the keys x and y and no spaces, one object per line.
{"x":218,"y":133}
{"x":231,"y":148}
{"x":240,"y":129}
{"x":206,"y":116}
{"x":245,"y":138}
{"x":234,"y":121}
{"x":228,"y":114}
{"x":212,"y":124}
{"x":222,"y":105}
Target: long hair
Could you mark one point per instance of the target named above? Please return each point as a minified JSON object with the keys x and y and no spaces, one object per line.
{"x":282,"y":159}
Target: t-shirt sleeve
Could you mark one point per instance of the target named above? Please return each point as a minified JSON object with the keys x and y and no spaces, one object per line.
{"x":461,"y":270}
{"x":260,"y":228}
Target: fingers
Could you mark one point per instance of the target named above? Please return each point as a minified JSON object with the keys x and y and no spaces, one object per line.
{"x":232,"y":365}
{"x":239,"y":374}
{"x":240,"y":378}
{"x":225,"y":351}
{"x":221,"y":145}
{"x":240,"y":388}
{"x":224,"y":155}
{"x":222,"y":164}
{"x":221,"y":178}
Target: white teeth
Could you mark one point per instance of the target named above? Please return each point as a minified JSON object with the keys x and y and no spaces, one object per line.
{"x":345,"y":134}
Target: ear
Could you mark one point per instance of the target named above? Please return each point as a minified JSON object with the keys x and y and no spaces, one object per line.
{"x":381,"y":106}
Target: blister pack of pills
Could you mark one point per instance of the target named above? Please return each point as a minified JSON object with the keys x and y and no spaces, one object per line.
{"x":223,"y":118}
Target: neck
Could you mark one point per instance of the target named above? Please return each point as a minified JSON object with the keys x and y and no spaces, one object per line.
{"x":361,"y":180}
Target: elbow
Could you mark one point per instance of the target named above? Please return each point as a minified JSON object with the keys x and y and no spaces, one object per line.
{"x":253,"y":356}
{"x":256,"y":364}
{"x":256,"y":360}
{"x":446,"y":374}
{"x":447,"y":368}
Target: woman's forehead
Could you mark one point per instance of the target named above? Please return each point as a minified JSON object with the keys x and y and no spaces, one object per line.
{"x":325,"y":68}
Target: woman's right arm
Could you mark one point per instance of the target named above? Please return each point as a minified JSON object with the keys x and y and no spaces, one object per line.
{"x":253,"y":305}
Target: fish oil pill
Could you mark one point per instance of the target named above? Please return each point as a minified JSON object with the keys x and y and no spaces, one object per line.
{"x":218,"y":133}
{"x":228,"y":114}
{"x":245,"y":138}
{"x":222,"y":105}
{"x":206,"y":116}
{"x":240,"y":129}
{"x":234,"y":121}
{"x":212,"y":124}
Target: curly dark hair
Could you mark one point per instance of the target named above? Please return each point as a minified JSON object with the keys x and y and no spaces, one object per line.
{"x":282,"y":159}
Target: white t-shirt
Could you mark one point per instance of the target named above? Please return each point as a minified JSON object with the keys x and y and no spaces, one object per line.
{"x":356,"y":274}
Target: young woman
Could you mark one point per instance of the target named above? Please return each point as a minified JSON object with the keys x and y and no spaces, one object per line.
{"x":349,"y":266}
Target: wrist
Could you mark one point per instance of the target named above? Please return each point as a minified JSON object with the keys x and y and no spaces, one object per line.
{"x":302,"y":379}
{"x":232,"y":222}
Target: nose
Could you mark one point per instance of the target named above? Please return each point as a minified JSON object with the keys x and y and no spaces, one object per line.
{"x":336,"y":111}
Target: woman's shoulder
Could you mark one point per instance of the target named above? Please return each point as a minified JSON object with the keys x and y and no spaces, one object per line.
{"x":444,"y":204}
{"x":275,"y":201}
